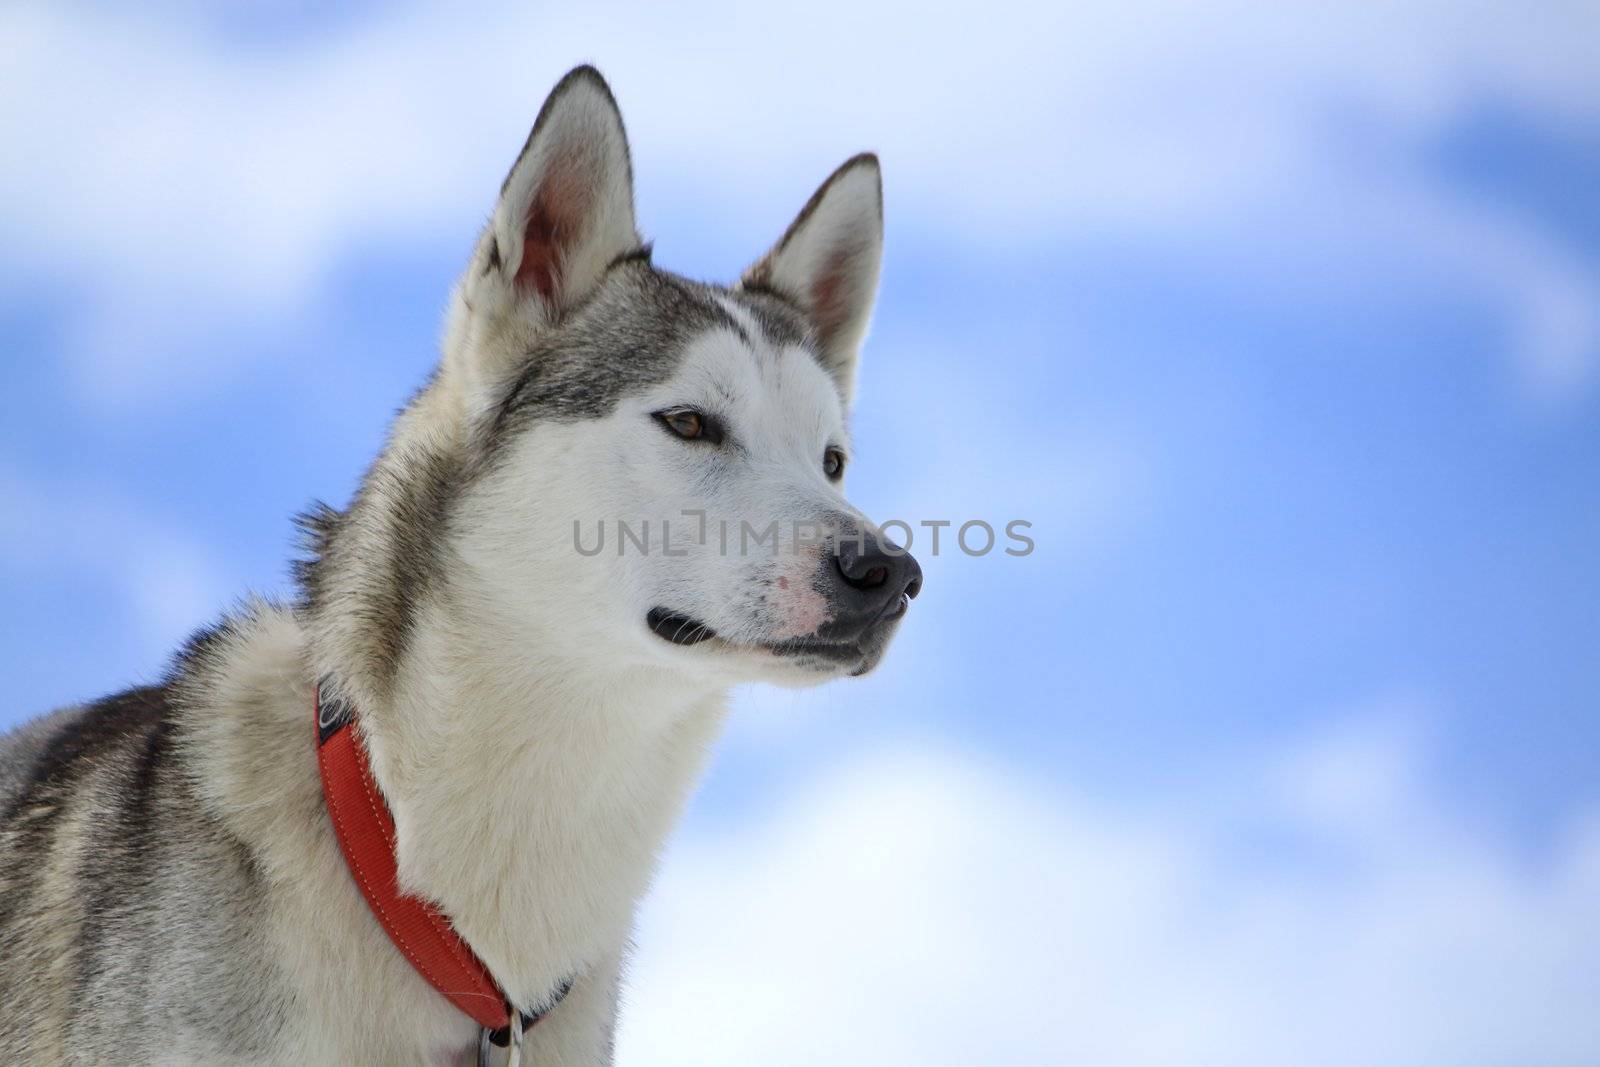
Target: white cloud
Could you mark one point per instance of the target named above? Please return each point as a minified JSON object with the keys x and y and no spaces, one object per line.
{"x":181,"y":179}
{"x":1317,"y":906}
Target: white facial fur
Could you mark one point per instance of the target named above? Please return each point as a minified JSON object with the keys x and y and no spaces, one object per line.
{"x":780,"y":411}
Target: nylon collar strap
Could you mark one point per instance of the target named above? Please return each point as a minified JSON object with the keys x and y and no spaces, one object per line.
{"x":422,"y":933}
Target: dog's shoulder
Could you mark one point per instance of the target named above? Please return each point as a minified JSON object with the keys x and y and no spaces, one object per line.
{"x":120,"y":866}
{"x":50,"y":757}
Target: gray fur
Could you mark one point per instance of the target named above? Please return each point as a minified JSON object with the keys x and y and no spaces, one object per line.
{"x":630,"y":335}
{"x":164,"y":913}
{"x":781,"y":320}
{"x":389,"y":543}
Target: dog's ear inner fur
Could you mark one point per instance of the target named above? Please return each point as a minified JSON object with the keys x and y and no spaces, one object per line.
{"x":566,"y":209}
{"x":827,"y":263}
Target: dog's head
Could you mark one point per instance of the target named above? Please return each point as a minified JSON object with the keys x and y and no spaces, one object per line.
{"x":658,"y":464}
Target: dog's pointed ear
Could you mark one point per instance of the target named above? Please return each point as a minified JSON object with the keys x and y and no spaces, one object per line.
{"x":827,"y":263}
{"x":566,"y":209}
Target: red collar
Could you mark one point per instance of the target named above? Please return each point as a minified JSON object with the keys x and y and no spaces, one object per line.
{"x":422,"y":933}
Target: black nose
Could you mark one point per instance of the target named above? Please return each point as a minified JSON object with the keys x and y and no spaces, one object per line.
{"x":877,"y":578}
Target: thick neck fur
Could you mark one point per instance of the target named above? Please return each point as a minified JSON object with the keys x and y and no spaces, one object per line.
{"x":531,"y":785}
{"x":531,"y":797}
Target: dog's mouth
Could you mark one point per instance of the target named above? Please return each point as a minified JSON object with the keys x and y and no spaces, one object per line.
{"x":677,"y":629}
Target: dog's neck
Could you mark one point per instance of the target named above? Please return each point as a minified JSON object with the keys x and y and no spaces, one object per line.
{"x":531,"y":784}
{"x":531,"y":798}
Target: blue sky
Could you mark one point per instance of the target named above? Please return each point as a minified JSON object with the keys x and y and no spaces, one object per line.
{"x":1281,"y":324}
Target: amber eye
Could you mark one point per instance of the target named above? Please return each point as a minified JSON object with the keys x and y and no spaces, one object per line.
{"x":691,"y":425}
{"x":687,"y":424}
{"x":833,"y":464}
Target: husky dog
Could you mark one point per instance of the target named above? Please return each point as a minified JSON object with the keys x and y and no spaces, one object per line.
{"x":535,"y":711}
